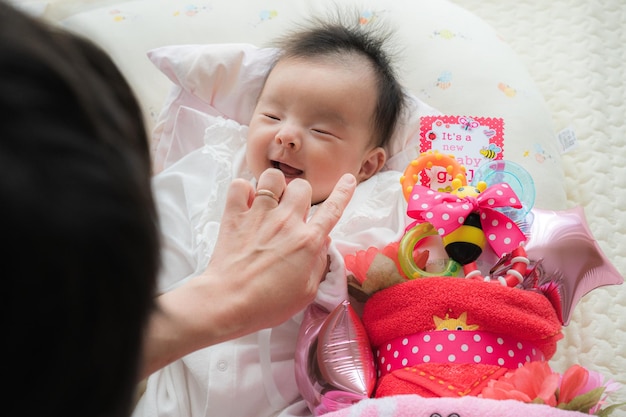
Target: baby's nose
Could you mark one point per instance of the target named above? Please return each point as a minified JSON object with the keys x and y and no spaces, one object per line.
{"x":289,"y":136}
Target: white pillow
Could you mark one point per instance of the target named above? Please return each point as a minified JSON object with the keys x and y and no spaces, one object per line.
{"x":220,"y":80}
{"x":448,"y":58}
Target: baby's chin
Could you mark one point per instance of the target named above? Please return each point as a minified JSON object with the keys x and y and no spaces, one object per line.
{"x":318,"y":199}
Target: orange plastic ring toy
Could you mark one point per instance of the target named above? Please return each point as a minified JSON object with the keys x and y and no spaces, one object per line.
{"x":427,"y":160}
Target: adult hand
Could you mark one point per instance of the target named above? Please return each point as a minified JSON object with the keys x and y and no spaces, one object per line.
{"x":267,"y":265}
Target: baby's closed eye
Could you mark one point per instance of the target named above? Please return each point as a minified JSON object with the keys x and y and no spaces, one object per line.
{"x":271,"y":116}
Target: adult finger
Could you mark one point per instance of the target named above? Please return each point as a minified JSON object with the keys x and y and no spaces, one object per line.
{"x":330,"y":211}
{"x":297,"y":198}
{"x":239,"y":197}
{"x":270,"y":188}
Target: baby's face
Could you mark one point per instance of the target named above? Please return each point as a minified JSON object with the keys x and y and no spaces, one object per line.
{"x":313,"y":121}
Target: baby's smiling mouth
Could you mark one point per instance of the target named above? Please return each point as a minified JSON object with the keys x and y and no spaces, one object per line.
{"x":288,"y":170}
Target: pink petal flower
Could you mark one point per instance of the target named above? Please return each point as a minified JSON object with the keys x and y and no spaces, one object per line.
{"x":596,"y":380}
{"x":534,"y":380}
{"x":501,"y":390}
{"x":360,"y":262}
{"x":573,"y":383}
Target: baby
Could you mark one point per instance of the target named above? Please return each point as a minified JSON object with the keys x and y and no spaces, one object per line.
{"x":328,"y":107}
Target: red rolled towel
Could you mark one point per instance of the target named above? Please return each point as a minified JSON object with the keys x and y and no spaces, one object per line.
{"x":491,"y":329}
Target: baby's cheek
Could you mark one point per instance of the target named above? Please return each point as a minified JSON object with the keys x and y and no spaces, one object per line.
{"x":322,"y":189}
{"x":254,"y":160}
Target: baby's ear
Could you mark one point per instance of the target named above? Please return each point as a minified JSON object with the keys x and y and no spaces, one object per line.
{"x":372,"y":163}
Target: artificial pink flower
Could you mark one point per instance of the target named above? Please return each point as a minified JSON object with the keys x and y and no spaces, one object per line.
{"x":533,"y":382}
{"x":578,"y":381}
{"x":360,"y":262}
{"x":574,"y":383}
{"x":502,"y":390}
{"x":596,"y":380}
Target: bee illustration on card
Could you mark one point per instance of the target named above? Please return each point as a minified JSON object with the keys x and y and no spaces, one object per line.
{"x":490,"y":152}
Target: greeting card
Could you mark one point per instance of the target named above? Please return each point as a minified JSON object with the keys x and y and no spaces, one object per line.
{"x":472,"y":140}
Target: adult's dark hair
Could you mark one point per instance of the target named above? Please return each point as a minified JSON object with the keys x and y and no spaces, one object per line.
{"x":342,"y":37}
{"x":78,"y":225}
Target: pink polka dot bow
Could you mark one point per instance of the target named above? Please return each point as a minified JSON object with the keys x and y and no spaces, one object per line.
{"x":447,"y":212}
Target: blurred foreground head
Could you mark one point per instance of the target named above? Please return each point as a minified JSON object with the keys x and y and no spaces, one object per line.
{"x":77,"y":221}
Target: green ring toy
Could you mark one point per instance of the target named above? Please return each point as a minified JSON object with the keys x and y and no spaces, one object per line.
{"x":405,"y":254}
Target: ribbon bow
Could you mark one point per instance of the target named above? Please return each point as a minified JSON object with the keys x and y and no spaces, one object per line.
{"x":447,"y":212}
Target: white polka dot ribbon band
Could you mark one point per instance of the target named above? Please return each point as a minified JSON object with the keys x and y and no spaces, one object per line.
{"x":455,"y":346}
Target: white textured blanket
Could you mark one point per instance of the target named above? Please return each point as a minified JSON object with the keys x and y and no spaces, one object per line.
{"x":576,"y":52}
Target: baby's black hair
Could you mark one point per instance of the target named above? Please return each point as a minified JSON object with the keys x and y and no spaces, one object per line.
{"x":340,"y":37}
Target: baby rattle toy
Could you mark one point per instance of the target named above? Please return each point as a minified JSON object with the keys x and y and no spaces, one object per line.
{"x":467,"y":219}
{"x":428,"y":160}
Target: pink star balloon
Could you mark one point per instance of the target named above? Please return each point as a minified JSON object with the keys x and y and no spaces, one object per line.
{"x":570,"y":256}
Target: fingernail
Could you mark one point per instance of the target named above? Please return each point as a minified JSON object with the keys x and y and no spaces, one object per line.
{"x":349,"y":179}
